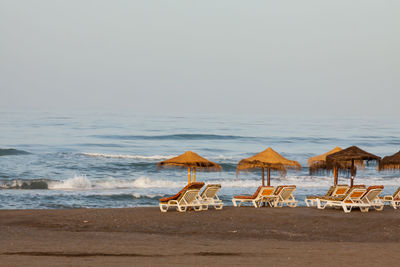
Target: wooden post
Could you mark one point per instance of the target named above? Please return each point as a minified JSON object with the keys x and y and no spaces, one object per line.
{"x":262,"y":171}
{"x":352,"y":172}
{"x":269,"y":177}
{"x":188,"y":175}
{"x":335,"y":176}
{"x":194,"y":174}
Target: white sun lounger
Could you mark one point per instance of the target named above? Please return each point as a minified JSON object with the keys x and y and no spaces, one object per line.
{"x":283,"y":195}
{"x":335,"y":191}
{"x":351,"y":200}
{"x":188,"y":197}
{"x":209,"y":197}
{"x":256,"y":198}
{"x":393,"y":200}
{"x":371,"y":197}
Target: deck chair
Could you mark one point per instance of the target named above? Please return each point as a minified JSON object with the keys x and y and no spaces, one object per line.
{"x":335,"y":190}
{"x":283,"y":195}
{"x":393,"y":200}
{"x":256,"y":198}
{"x":371,"y":197}
{"x":209,"y":197}
{"x":188,"y":197}
{"x":351,"y":200}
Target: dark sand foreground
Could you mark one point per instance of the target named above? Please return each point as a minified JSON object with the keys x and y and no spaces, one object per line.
{"x":235,"y":236}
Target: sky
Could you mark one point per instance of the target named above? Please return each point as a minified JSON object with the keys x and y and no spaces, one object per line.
{"x":308,"y":57}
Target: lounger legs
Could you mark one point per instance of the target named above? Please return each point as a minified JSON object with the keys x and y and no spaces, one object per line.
{"x":204,"y":207}
{"x":180,"y":208}
{"x":163,"y":208}
{"x":310,"y":202}
{"x":346,"y":209}
{"x":364,"y":209}
{"x":320,"y":204}
{"x":238,"y":203}
{"x":378,"y":208}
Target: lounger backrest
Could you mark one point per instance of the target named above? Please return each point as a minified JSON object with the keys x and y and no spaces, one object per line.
{"x":278,"y":189}
{"x":189,"y":196}
{"x":286,"y":191}
{"x":340,"y":190}
{"x":354,"y":194}
{"x":180,"y":193}
{"x":330,"y":191}
{"x":210,"y":191}
{"x":266,"y":191}
{"x":373,"y":192}
{"x":192,"y":186}
{"x":255,"y":195}
{"x":396,"y":195}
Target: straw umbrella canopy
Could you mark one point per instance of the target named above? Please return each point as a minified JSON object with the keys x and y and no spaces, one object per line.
{"x":318,"y":163}
{"x":190,"y":160}
{"x":268,"y":159}
{"x":350,"y":155}
{"x":390,"y":162}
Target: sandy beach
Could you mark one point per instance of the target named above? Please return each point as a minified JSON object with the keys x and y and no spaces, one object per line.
{"x":234,"y":236}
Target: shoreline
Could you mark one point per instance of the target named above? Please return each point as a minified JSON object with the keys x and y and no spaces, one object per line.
{"x":145,"y":236}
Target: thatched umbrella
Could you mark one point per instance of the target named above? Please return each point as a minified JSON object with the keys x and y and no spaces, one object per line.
{"x":390,"y":162}
{"x":190,"y":160}
{"x":270,"y":160}
{"x":318,"y":164}
{"x":349,"y":155}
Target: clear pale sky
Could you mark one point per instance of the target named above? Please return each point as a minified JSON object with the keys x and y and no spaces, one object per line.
{"x":304,"y":57}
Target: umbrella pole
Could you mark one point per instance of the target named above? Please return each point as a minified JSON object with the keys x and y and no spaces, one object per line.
{"x":188,"y":175}
{"x":335,"y":175}
{"x":352,"y":172}
{"x":268,"y":178}
{"x":194,"y":174}
{"x":262,"y":171}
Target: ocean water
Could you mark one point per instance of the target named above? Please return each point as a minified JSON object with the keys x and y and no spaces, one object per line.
{"x":57,"y":160}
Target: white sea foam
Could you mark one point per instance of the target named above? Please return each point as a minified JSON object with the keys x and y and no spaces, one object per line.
{"x":138,"y":195}
{"x":141,"y":182}
{"x":146,"y":182}
{"x":153,"y":157}
{"x":78,"y":182}
{"x":82,"y":182}
{"x":121,"y":156}
{"x":221,"y":157}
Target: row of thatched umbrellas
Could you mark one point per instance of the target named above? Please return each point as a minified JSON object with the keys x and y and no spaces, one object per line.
{"x":336,"y":160}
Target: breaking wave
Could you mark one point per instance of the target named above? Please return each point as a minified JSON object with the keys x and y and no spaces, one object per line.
{"x":78,"y":182}
{"x":24,"y":184}
{"x":176,"y":137}
{"x":151,"y":196}
{"x":120,"y":156}
{"x":12,"y":152}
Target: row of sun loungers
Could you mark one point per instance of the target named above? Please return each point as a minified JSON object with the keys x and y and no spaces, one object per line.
{"x":190,"y":198}
{"x":358,"y":196}
{"x":340,"y":196}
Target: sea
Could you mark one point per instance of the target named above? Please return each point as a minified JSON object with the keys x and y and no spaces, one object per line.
{"x":103,"y":159}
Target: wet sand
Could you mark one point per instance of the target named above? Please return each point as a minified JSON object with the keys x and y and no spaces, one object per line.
{"x":234,"y":236}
